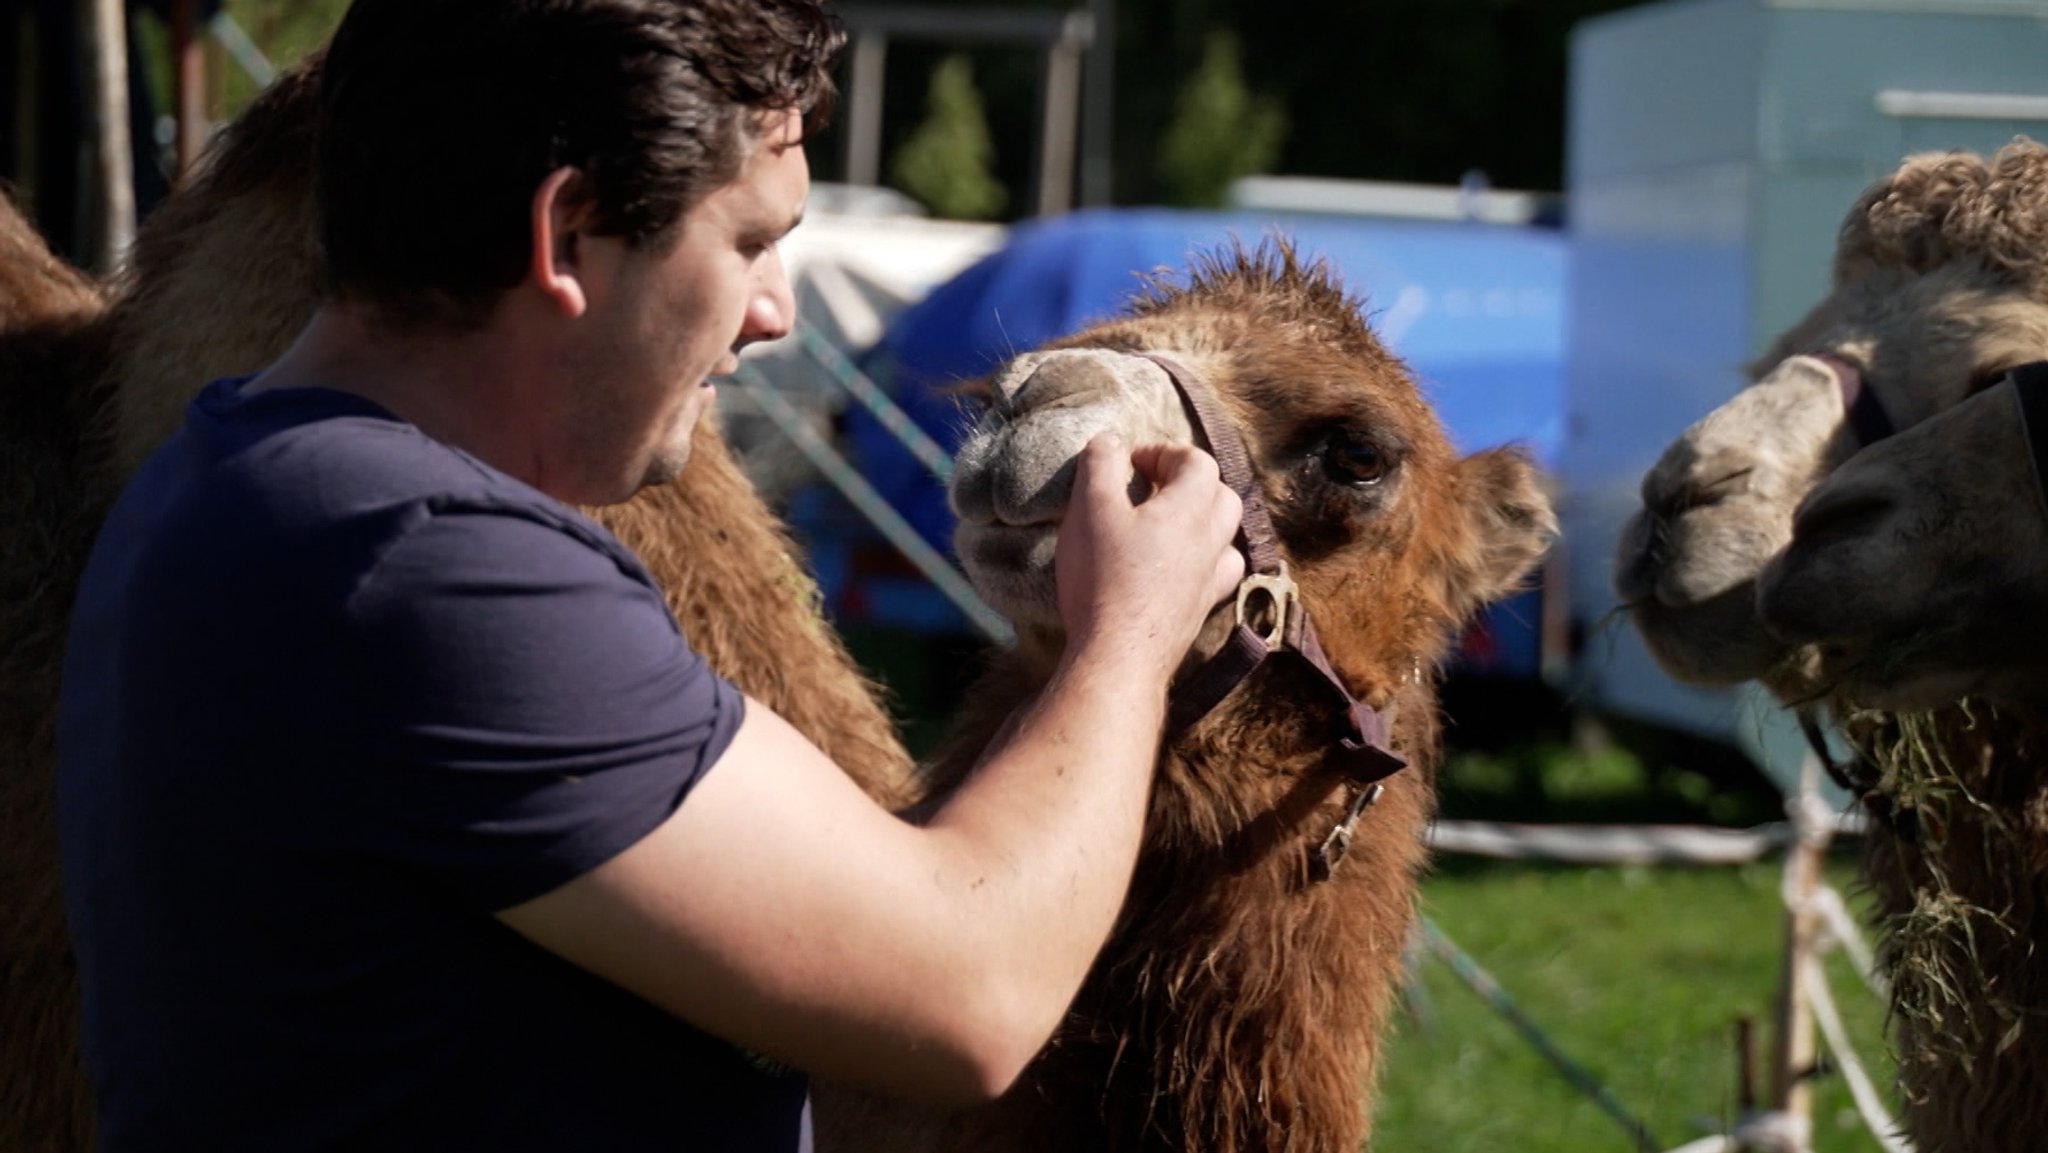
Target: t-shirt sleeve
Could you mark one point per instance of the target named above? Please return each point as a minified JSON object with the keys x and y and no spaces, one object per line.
{"x":525,"y":707}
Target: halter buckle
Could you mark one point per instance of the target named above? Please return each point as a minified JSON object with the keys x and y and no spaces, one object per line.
{"x":1276,"y":595}
{"x":1338,"y":843}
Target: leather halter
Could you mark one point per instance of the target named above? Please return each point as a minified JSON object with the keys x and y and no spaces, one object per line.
{"x":1866,"y":414}
{"x":1870,"y":423}
{"x":1271,"y":618}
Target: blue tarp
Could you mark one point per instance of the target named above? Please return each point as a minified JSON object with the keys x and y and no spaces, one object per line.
{"x":1476,"y":310}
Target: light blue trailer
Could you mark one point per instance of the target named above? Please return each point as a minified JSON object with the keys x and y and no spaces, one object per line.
{"x":1714,"y":146}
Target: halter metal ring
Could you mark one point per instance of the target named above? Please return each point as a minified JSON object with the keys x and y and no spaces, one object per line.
{"x":1279,"y":599}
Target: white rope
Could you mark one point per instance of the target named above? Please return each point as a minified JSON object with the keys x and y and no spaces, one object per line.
{"x":1609,"y":844}
{"x":1774,"y":1131}
{"x":871,"y":504}
{"x":1842,"y":930}
{"x":1767,"y":1132}
{"x":1868,"y":1103}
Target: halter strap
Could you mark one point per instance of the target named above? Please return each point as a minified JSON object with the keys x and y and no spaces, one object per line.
{"x":1268,"y":596}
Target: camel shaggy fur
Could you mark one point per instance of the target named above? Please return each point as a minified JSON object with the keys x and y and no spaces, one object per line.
{"x":49,"y":316}
{"x":1239,"y":1002}
{"x":1940,"y":287}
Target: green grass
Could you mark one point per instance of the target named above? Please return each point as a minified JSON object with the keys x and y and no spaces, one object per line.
{"x":1638,"y":975}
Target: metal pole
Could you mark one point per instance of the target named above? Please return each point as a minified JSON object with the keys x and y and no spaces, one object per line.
{"x":1059,"y":108}
{"x":1098,"y":100}
{"x":189,"y":50}
{"x":864,"y":108}
{"x":875,"y":507}
{"x":114,"y":165}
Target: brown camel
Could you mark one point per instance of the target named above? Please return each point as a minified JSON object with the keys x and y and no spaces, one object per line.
{"x":48,"y":331}
{"x":1941,"y":286}
{"x":1239,"y":1003}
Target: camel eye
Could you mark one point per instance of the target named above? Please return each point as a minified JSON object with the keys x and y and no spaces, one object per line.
{"x":1354,"y":460}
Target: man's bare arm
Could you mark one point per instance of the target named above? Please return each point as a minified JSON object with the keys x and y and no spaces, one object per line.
{"x":781,"y":908}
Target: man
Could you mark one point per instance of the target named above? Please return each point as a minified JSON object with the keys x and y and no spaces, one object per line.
{"x":395,"y":812}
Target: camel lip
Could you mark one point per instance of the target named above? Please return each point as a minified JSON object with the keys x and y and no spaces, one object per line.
{"x":998,"y":527}
{"x":1003,"y":547}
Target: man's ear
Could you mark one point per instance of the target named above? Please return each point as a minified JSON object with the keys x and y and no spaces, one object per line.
{"x":558,"y":218}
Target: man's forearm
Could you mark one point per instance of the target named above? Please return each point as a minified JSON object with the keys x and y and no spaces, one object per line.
{"x":1048,"y":827}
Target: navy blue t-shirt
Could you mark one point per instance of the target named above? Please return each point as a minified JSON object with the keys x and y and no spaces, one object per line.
{"x":334,"y":694}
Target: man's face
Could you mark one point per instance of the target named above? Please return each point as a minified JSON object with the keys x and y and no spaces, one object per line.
{"x":670,"y":318}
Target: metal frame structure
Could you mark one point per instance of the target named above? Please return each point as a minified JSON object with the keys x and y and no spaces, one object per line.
{"x":1061,"y":37}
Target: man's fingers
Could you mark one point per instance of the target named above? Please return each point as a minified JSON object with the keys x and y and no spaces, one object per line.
{"x":1228,"y":512}
{"x":1229,"y":572}
{"x":1103,"y":465}
{"x":1169,"y":464}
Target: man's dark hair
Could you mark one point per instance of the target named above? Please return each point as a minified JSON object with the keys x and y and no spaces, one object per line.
{"x":440,"y":118}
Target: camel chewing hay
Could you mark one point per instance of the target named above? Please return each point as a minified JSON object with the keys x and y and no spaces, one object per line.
{"x":1941,"y":287}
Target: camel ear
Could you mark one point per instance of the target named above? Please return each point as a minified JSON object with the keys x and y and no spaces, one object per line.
{"x":1511,"y":527}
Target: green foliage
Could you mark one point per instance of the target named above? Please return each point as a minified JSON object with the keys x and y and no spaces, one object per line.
{"x":1550,"y":780}
{"x":945,"y":163}
{"x":285,"y":31}
{"x":1636,"y":974}
{"x":1220,"y":131}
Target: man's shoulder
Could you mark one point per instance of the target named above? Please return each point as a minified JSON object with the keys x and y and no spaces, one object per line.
{"x":307,"y":489}
{"x":313,"y":456}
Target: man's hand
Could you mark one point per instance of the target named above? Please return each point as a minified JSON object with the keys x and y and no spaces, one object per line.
{"x":1146,"y":575}
{"x":782,"y":909}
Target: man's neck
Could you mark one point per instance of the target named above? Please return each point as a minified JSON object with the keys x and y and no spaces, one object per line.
{"x":462,"y":388}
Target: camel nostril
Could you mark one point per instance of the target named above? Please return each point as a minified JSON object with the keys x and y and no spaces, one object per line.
{"x":1061,"y":381}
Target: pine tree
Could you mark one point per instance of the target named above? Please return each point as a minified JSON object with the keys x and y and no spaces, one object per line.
{"x":1220,"y":131}
{"x":945,"y":162}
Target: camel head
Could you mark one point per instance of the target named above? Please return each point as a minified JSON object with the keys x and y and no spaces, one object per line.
{"x":1940,"y":287}
{"x":1392,"y":538}
{"x":1916,"y":571}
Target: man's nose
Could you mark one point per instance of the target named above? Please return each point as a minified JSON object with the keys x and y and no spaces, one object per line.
{"x":771,"y":307}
